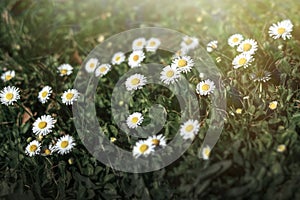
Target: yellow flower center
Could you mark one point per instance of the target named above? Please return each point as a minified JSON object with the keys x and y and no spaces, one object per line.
{"x":188,"y":41}
{"x":9,"y":96}
{"x":64,"y":144}
{"x":42,"y":125}
{"x":33,"y":148}
{"x":92,"y":65}
{"x":69,"y":96}
{"x":235,"y":39}
{"x":63,"y":71}
{"x":47,"y":152}
{"x":247,"y":47}
{"x":170,"y":74}
{"x":155,"y":142}
{"x":44,"y":94}
{"x":102,"y":69}
{"x":242,"y":61}
{"x":281,"y":30}
{"x":238,"y":111}
{"x":134,"y":120}
{"x":139,"y":43}
{"x":143,"y":148}
{"x":136,"y":57}
{"x":273,"y":105}
{"x":8,"y":77}
{"x":206,"y":152}
{"x":182,"y":63}
{"x":205,"y":87}
{"x":152,"y":43}
{"x":135,"y":81}
{"x":281,"y":148}
{"x":189,"y":128}
{"x":118,"y":58}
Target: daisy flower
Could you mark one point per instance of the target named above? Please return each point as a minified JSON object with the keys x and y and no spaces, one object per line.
{"x":170,"y":74}
{"x":247,"y":46}
{"x":143,"y":147}
{"x":206,"y":152}
{"x":139,"y":43}
{"x":235,"y":40}
{"x":33,"y":148}
{"x":135,"y":82}
{"x":102,"y":70}
{"x":189,"y":43}
{"x":118,"y":58}
{"x":135,"y":58}
{"x":134,"y":120}
{"x":43,"y":125}
{"x":158,"y":141}
{"x":205,"y":87}
{"x":260,"y":76}
{"x":152,"y":44}
{"x":44,"y":94}
{"x":238,"y":111}
{"x":49,"y":150}
{"x":65,"y":144}
{"x":183,"y":63}
{"x":282,"y":29}
{"x":65,"y":70}
{"x":273,"y":105}
{"x":212,"y":45}
{"x":281,"y":148}
{"x":189,"y":129}
{"x":91,"y":65}
{"x":70,"y":96}
{"x":242,"y":60}
{"x":6,"y":76}
{"x":9,"y":95}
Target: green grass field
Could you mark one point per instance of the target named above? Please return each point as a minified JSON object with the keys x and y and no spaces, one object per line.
{"x":257,"y":155}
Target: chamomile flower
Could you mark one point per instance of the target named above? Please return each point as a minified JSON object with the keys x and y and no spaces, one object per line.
{"x":152,"y":44}
{"x":282,"y":29}
{"x":235,"y":40}
{"x":212,"y":45}
{"x":281,"y":148}
{"x":134,"y":120}
{"x":9,"y":95}
{"x":158,"y":141}
{"x":65,"y":144}
{"x":65,"y":69}
{"x":139,"y":43}
{"x":33,"y":148}
{"x":206,"y":152}
{"x":183,"y":63}
{"x":170,"y":74}
{"x":91,"y":65}
{"x":242,"y":60}
{"x":189,"y":43}
{"x":143,"y":147}
{"x":239,"y":111}
{"x":135,"y":58}
{"x":273,"y":105}
{"x":49,"y":150}
{"x":247,"y":46}
{"x":7,"y":76}
{"x":102,"y":70}
{"x":118,"y":58}
{"x":205,"y":87}
{"x":70,"y":96}
{"x":260,"y":76}
{"x":135,"y":82}
{"x":189,"y":129}
{"x":44,"y":94}
{"x":43,"y":125}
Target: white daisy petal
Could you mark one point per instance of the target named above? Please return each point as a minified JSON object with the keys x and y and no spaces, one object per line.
{"x":9,"y":95}
{"x":102,"y":70}
{"x":242,"y":60}
{"x":138,"y":44}
{"x":91,"y":65}
{"x":135,"y":82}
{"x":205,"y":87}
{"x":183,"y":63}
{"x":135,"y":58}
{"x":206,"y":152}
{"x":65,"y":70}
{"x":189,"y":129}
{"x":33,"y":148}
{"x":212,"y":45}
{"x":152,"y":44}
{"x":65,"y":144}
{"x":70,"y":96}
{"x":43,"y":125}
{"x":7,"y":76}
{"x":247,"y":46}
{"x":143,"y":147}
{"x":45,"y":94}
{"x":134,"y":120}
{"x":235,"y":40}
{"x":118,"y":58}
{"x":282,"y":29}
{"x":189,"y":43}
{"x":158,"y":141}
{"x":170,"y":74}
